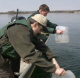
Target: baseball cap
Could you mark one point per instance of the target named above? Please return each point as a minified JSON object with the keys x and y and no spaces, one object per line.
{"x":41,"y":20}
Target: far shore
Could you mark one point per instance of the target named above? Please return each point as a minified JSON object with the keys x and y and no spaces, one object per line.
{"x":29,"y":12}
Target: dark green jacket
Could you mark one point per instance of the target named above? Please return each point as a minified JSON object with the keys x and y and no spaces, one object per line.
{"x":20,"y":41}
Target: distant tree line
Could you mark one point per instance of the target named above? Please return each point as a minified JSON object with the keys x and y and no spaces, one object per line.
{"x":28,"y":12}
{"x":65,"y":11}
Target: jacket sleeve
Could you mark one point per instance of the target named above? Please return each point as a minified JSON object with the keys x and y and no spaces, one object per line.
{"x":40,"y":45}
{"x":51,"y":27}
{"x":19,"y":37}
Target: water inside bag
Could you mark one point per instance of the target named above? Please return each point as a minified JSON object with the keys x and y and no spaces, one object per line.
{"x":62,"y":38}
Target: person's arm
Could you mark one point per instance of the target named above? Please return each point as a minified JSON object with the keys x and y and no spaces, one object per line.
{"x":51,"y":27}
{"x":59,"y":71}
{"x":41,"y":46}
{"x":55,"y":62}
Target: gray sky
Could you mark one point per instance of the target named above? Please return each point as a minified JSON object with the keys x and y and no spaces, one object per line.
{"x":33,"y":5}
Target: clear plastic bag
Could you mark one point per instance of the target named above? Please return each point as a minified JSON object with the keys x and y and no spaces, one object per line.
{"x":62,"y":38}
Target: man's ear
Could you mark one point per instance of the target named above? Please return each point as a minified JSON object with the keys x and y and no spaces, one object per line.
{"x":35,"y":24}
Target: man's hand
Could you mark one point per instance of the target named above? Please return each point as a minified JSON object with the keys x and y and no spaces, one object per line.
{"x":59,"y":31}
{"x":60,"y":71}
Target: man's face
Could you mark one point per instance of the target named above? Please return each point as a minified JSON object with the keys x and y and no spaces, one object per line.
{"x":43,"y":12}
{"x":37,"y":28}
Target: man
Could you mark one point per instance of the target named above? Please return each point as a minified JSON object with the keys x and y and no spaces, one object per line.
{"x":20,"y":40}
{"x":51,"y":27}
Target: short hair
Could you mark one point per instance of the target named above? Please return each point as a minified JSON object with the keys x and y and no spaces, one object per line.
{"x":44,"y":7}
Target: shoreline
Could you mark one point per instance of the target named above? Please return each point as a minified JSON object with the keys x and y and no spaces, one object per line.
{"x":29,"y":12}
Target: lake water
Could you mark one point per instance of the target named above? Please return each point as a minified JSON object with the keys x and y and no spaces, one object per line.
{"x":68,"y":53}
